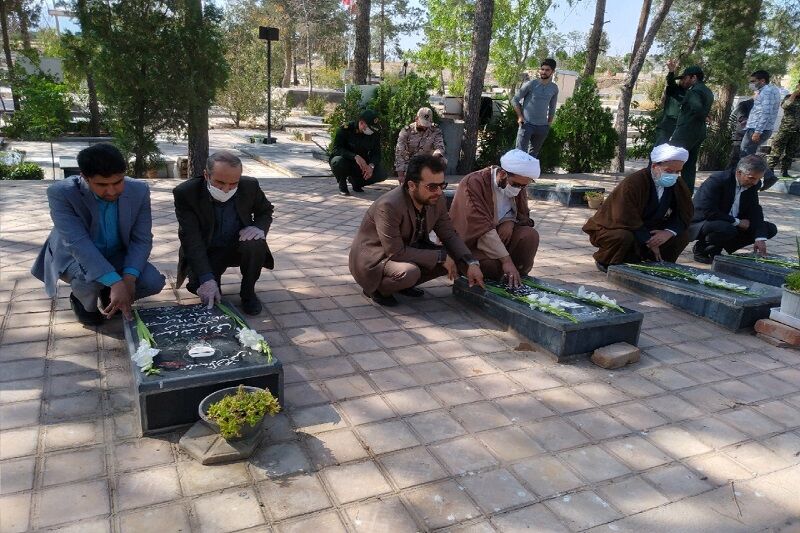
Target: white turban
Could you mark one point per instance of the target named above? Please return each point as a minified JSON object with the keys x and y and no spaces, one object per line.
{"x":521,"y":163}
{"x":667,"y":152}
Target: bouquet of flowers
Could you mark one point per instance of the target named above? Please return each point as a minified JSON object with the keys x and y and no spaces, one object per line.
{"x":708,"y":280}
{"x":543,"y":303}
{"x":143,"y":357}
{"x":599,"y":300}
{"x":249,"y":338}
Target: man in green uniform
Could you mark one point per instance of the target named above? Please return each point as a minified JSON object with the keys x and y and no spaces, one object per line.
{"x":690,"y":128}
{"x":786,"y":142}
{"x":673,"y":96}
{"x":356,"y":153}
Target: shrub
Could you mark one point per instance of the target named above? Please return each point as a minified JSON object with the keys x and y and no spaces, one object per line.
{"x":330,"y":78}
{"x":44,"y":112}
{"x":646,"y":132}
{"x":793,"y":282}
{"x":716,"y":148}
{"x":584,"y":130}
{"x":345,"y":112}
{"x":26,"y":171}
{"x":497,"y":137}
{"x":280,"y":108}
{"x":315,"y":105}
{"x":5,"y":171}
{"x":232,"y":412}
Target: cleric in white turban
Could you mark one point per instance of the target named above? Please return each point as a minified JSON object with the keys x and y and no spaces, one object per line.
{"x":490,"y":212}
{"x":647,"y":216}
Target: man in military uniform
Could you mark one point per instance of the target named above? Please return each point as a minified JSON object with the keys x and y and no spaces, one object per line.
{"x":690,"y":128}
{"x":420,"y":137}
{"x":356,"y":153}
{"x":786,"y":143}
{"x":673,"y":96}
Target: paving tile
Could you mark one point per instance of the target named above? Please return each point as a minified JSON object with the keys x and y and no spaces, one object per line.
{"x":780,"y":412}
{"x":356,"y":481}
{"x":717,"y":469}
{"x":496,"y":490}
{"x":635,"y":385}
{"x":365,"y":410}
{"x":673,"y":408}
{"x":598,"y":425}
{"x":450,"y":349}
{"x":230,"y":510}
{"x":293,"y":496}
{"x":713,"y":432}
{"x":22,"y":390}
{"x":523,"y":408}
{"x":316,"y":419}
{"x":16,"y":512}
{"x":556,"y":434}
{"x":334,"y":447}
{"x":90,"y":525}
{"x":20,"y":414}
{"x":348,"y":387}
{"x":169,"y":518}
{"x":707,"y":399}
{"x":442,"y":504}
{"x":77,"y":465}
{"x":583,"y":510}
{"x":328,"y":522}
{"x":395,"y":339}
{"x":563,"y":400}
{"x":757,"y":458}
{"x":148,"y":487}
{"x":677,"y":481}
{"x":463,"y":455}
{"x":534,"y":379}
{"x":71,"y":434}
{"x":435,"y":425}
{"x":387,"y":437}
{"x":198,"y":479}
{"x":392,"y":379}
{"x":749,"y":421}
{"x":593,"y":463}
{"x":17,"y":475}
{"x":67,"y":503}
{"x":480,"y":416}
{"x":632,"y":495}
{"x":382,"y":515}
{"x":278,"y":460}
{"x":456,"y":393}
{"x":546,"y":475}
{"x":80,"y":406}
{"x":434,"y":372}
{"x":142,"y":453}
{"x":18,"y":442}
{"x":412,"y":467}
{"x":637,"y":453}
{"x":509,"y":444}
{"x":786,"y":446}
{"x":495,"y":386}
{"x":369,"y":361}
{"x":677,"y":442}
{"x":411,"y":401}
{"x":601,"y":393}
{"x":537,"y":516}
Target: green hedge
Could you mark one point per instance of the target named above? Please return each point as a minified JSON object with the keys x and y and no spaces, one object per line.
{"x":22,"y":171}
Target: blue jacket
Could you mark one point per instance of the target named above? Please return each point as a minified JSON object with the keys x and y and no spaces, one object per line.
{"x":73,"y":209}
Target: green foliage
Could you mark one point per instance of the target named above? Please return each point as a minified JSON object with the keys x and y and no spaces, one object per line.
{"x":45,"y":109}
{"x":644,"y":138}
{"x":21,"y":171}
{"x":716,"y":148}
{"x":232,"y":412}
{"x":399,"y":17}
{"x":397,"y":101}
{"x":281,"y":108}
{"x":345,"y":112}
{"x":584,"y":130}
{"x":793,"y":282}
{"x":5,"y":170}
{"x":328,"y":77}
{"x":497,"y":137}
{"x":315,"y":105}
{"x":551,"y":152}
{"x":517,"y":24}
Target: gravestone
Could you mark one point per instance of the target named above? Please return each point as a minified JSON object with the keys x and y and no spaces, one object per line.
{"x":794,"y":188}
{"x":567,"y":195}
{"x":595,"y":326}
{"x":731,"y":310}
{"x":747,"y":266}
{"x":171,"y":399}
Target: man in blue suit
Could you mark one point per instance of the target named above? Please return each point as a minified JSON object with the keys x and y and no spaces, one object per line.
{"x":101,"y":238}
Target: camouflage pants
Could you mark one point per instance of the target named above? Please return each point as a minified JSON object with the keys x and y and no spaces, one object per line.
{"x":785,"y":146}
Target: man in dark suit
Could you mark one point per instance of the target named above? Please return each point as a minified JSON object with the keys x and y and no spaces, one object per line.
{"x":223,"y":220}
{"x":101,"y":238}
{"x":727,"y":214}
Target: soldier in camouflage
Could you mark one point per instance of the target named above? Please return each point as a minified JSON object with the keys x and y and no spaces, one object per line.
{"x":786,"y":143}
{"x":420,"y":137}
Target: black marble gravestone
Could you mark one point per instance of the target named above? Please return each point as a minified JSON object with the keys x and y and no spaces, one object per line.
{"x":595,"y":326}
{"x":731,"y":310}
{"x":170,"y":399}
{"x":568,"y":195}
{"x":746,"y":266}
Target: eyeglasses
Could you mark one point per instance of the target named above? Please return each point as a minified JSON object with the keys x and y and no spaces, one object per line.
{"x":433,"y":187}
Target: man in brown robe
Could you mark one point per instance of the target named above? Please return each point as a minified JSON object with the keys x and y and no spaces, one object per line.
{"x":391,"y":252}
{"x":490,"y":212}
{"x":647,"y":215}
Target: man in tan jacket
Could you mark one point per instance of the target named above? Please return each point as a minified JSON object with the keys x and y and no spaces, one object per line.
{"x":490,"y":212}
{"x":420,"y":137}
{"x":391,"y":252}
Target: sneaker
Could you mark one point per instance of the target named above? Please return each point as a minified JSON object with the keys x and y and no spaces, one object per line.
{"x":251,"y":305}
{"x":413,"y":292}
{"x":87,"y":318}
{"x":386,"y":301}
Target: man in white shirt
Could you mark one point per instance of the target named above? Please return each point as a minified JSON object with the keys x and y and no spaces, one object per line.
{"x":762,"y":117}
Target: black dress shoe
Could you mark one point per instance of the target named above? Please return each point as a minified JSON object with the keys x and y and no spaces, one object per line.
{"x":344,"y":192}
{"x":251,"y":305}
{"x":386,"y":301}
{"x":601,"y":267}
{"x":87,"y":318}
{"x":703,"y":258}
{"x":358,"y":189}
{"x":413,"y":292}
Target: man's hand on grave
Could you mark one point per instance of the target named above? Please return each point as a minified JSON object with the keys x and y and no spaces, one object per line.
{"x":760,"y":247}
{"x":251,"y":233}
{"x":209,"y":293}
{"x":121,"y":300}
{"x":452,"y":269}
{"x":475,"y":276}
{"x":510,"y":272}
{"x":744,"y":224}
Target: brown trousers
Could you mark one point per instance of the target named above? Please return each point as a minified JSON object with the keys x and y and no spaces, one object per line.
{"x":617,"y":246}
{"x":401,"y":275}
{"x":522,"y":247}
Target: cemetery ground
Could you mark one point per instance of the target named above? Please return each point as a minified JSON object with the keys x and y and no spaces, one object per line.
{"x":413,"y":418}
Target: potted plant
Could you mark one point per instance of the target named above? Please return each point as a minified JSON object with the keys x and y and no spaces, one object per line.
{"x":790,"y":298}
{"x":237,"y":413}
{"x":594,"y":199}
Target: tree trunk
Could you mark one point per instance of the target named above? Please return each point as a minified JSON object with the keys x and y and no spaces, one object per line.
{"x":361,"y":51}
{"x":643,"y":16}
{"x":94,"y":107}
{"x":481,"y":37}
{"x":295,"y":80}
{"x":594,"y":38}
{"x":698,"y":32}
{"x":288,"y":54}
{"x":7,"y":51}
{"x":623,"y":109}
{"x":24,"y":25}
{"x":383,"y":37}
{"x":197,"y":123}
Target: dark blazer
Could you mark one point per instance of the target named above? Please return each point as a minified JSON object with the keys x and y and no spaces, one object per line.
{"x":714,"y":198}
{"x":196,"y":220}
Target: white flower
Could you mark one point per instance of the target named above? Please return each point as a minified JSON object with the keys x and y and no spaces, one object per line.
{"x":713,"y":281}
{"x":250,"y":338}
{"x":593,"y":296}
{"x":144,"y":354}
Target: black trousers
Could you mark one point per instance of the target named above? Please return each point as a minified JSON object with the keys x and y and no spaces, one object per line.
{"x":718,"y":235}
{"x":249,"y":256}
{"x":347,"y":169}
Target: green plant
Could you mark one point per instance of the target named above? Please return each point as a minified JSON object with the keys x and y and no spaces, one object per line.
{"x":5,"y":171}
{"x":345,"y":112}
{"x":297,"y":135}
{"x":793,"y":282}
{"x":232,"y":412}
{"x":716,"y":148}
{"x":646,"y":131}
{"x":497,"y":137}
{"x":593,"y":194}
{"x":315,"y":105}
{"x":45,"y":110}
{"x":26,"y":171}
{"x":328,"y":77}
{"x":280,"y":109}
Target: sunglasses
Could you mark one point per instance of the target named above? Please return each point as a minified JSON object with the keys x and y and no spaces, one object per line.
{"x":433,"y":187}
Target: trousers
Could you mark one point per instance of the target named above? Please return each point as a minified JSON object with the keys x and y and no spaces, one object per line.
{"x":530,"y":137}
{"x":617,"y":246}
{"x":522,"y":247}
{"x":722,"y":235}
{"x":346,"y":169}
{"x":249,"y":256}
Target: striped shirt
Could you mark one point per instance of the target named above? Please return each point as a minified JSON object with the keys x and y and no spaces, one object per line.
{"x":765,"y":109}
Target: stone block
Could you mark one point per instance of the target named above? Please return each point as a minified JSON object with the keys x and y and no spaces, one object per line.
{"x":778,"y":316}
{"x":778,"y":331}
{"x":596,"y":326}
{"x":567,"y":195}
{"x":616,"y":355}
{"x":170,"y":400}
{"x":773,"y":341}
{"x":731,"y":310}
{"x":208,"y":447}
{"x":738,"y":265}
{"x":794,"y":188}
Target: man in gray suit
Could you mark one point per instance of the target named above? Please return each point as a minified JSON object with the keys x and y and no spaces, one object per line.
{"x":101,"y":238}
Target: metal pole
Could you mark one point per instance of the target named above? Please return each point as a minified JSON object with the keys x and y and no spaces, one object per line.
{"x":269,"y":91}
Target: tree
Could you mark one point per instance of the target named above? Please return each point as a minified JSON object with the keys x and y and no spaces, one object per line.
{"x":481,"y":38}
{"x":78,"y":55}
{"x":361,"y":70}
{"x":623,"y":109}
{"x":517,"y":24}
{"x":392,"y":18}
{"x":644,"y":14}
{"x":4,"y":4}
{"x":593,"y":46}
{"x":447,"y":42}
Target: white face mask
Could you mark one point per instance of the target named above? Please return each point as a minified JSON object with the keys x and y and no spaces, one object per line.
{"x":367,"y":130}
{"x":752,"y":86}
{"x":510,"y":191}
{"x":220,"y":195}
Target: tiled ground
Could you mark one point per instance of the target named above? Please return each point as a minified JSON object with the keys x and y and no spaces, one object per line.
{"x":419,"y":417}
